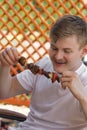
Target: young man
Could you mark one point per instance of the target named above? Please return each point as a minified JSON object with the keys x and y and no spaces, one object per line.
{"x":58,"y":105}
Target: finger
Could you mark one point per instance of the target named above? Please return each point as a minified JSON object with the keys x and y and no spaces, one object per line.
{"x":68,"y":74}
{"x":15,"y":53}
{"x":3,"y":61}
{"x":65,"y":84}
{"x":10,"y":54}
{"x":6,"y":59}
{"x":65,"y":79}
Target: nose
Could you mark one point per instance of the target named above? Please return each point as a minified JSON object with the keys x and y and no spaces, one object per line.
{"x":59,"y":55}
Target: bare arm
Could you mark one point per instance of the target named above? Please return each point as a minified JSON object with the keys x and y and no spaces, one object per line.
{"x":72,"y":81}
{"x":9,"y":86}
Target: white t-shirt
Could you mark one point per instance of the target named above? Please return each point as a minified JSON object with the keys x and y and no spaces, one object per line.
{"x":52,"y":108}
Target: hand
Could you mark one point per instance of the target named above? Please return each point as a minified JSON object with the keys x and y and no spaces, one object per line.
{"x":9,"y":56}
{"x":71,"y":80}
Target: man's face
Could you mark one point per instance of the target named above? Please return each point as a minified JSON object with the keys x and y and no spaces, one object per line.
{"x":65,"y":54}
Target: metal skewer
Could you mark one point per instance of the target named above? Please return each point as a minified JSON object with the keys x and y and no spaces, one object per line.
{"x":37,"y":70}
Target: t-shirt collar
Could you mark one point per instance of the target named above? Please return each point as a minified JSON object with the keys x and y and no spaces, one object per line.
{"x":80,"y":69}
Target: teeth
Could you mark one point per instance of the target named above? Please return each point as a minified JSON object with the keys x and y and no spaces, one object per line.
{"x":60,"y":62}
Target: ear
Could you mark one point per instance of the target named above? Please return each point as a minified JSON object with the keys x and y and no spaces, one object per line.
{"x":84,"y":51}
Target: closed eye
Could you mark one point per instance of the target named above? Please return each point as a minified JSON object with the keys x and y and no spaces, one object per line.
{"x":67,"y":50}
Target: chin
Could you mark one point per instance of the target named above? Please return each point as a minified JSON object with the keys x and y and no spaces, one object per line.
{"x":59,"y":70}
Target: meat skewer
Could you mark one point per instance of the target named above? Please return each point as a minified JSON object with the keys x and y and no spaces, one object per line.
{"x":37,"y":70}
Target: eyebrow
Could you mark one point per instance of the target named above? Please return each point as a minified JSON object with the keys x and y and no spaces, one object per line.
{"x":53,"y":45}
{"x":63,"y":48}
{"x":68,"y":48}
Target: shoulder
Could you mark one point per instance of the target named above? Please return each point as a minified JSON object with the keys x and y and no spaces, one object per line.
{"x":83,"y":74}
{"x":84,"y":69}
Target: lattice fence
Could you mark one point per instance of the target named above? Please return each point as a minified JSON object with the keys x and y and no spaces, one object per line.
{"x":25,"y":24}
